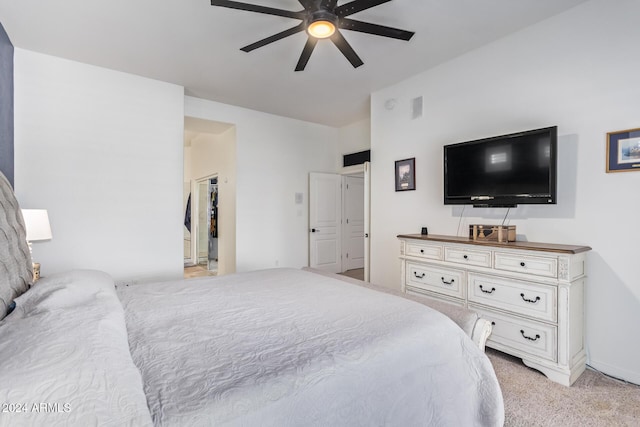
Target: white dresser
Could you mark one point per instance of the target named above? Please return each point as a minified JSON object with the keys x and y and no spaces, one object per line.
{"x":533,"y":293}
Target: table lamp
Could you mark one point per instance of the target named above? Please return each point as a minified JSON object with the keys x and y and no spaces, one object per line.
{"x":36,"y":222}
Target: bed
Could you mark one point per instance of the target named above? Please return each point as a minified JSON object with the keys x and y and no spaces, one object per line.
{"x":280,"y":347}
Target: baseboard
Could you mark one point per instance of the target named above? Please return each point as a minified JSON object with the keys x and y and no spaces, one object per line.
{"x":616,"y":372}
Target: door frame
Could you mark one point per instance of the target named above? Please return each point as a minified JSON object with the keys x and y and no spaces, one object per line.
{"x":367,"y":221}
{"x":195,"y":206}
{"x":363,"y":170}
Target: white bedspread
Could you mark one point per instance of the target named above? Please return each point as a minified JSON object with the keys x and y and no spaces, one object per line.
{"x":64,"y":357}
{"x":292,"y":348}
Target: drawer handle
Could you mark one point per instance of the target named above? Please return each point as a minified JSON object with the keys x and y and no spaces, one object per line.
{"x":447,"y":283}
{"x":522,"y":264}
{"x":487,"y":292}
{"x":465,"y":256}
{"x":529,"y":338}
{"x":421,"y":251}
{"x":532,"y":301}
{"x":419,"y":276}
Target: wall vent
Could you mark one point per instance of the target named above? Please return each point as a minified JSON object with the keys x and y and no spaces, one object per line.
{"x":416,"y":107}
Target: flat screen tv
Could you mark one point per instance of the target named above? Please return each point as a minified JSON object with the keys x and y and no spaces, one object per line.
{"x":502,"y":171}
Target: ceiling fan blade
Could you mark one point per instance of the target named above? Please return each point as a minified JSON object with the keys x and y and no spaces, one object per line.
{"x":274,"y":38}
{"x":307,"y":4}
{"x":328,"y":4}
{"x":357,"y":6}
{"x":306,"y":53}
{"x":341,"y":43}
{"x":378,"y":30}
{"x":257,"y":8}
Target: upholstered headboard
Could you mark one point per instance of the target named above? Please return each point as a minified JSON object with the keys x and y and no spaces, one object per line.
{"x":6,"y":105}
{"x":16,"y":270}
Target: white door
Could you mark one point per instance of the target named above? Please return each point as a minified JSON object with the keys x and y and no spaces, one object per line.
{"x":353,"y":223}
{"x":325,"y":217}
{"x":367,"y":219}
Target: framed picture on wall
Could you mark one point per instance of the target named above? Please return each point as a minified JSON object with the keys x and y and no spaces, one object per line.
{"x":406,"y":174}
{"x":623,"y":151}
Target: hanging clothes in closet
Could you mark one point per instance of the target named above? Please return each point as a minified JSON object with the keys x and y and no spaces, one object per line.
{"x":187,"y":214}
{"x":213,"y":225}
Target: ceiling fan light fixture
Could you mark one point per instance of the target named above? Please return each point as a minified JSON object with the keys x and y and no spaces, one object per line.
{"x":321,"y":29}
{"x":321,"y":19}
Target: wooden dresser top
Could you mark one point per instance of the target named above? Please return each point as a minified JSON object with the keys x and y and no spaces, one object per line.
{"x":531,"y":246}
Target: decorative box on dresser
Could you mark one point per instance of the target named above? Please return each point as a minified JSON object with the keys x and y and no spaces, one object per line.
{"x":533,"y":294}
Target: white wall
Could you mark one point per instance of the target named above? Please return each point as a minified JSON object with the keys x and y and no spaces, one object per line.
{"x":186,"y":191}
{"x":216,"y":154}
{"x":274,"y":158}
{"x":102,"y":151}
{"x":186,"y":173}
{"x":575,"y":70}
{"x":353,"y":138}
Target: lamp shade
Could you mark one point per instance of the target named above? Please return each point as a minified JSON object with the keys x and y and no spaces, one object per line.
{"x":36,"y":222}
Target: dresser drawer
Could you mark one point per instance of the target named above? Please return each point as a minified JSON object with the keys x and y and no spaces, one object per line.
{"x":480,"y":258}
{"x":524,"y":298}
{"x":520,"y":337}
{"x":536,"y":265}
{"x":436,"y":279}
{"x":424,"y":251}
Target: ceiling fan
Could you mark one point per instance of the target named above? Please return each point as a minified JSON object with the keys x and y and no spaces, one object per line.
{"x":321,"y":19}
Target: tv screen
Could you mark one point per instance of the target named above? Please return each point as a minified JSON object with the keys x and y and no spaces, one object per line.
{"x":505,"y":170}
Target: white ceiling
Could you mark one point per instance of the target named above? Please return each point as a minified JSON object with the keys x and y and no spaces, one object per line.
{"x":196,"y":45}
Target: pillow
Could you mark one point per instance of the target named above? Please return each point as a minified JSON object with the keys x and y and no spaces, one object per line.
{"x":16,"y":268}
{"x":64,"y":290}
{"x":64,"y":357}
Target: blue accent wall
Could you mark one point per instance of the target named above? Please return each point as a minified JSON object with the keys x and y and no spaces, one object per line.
{"x":6,"y":105}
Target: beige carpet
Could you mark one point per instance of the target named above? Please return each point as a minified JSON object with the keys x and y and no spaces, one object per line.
{"x":594,"y":399}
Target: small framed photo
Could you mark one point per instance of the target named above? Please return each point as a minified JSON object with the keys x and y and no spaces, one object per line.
{"x":406,"y":174}
{"x":623,"y":151}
